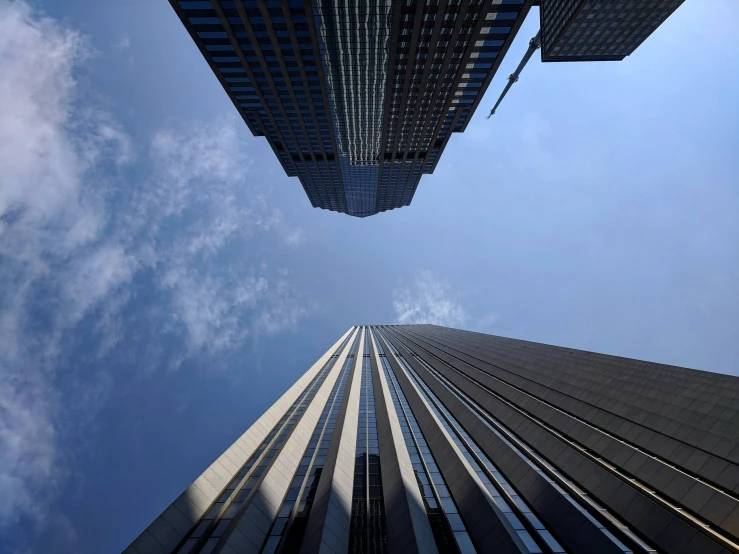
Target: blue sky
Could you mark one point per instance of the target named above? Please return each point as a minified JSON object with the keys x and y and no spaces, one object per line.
{"x":163,"y":281}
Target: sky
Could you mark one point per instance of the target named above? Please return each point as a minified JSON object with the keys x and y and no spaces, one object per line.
{"x":162,"y":281}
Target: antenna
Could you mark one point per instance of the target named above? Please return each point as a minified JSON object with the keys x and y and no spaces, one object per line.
{"x":534,"y":45}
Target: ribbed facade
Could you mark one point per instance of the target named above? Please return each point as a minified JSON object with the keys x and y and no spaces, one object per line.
{"x":418,"y":438}
{"x":357,"y":99}
{"x":598,"y":30}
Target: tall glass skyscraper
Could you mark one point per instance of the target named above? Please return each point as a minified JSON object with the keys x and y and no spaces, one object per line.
{"x":357,"y":99}
{"x":423,"y":439}
{"x":598,"y":30}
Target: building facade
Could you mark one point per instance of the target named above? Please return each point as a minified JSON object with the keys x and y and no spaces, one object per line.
{"x":423,"y":439}
{"x":356,"y":99}
{"x":598,"y":30}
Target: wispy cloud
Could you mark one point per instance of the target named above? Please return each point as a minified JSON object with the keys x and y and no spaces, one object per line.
{"x":80,"y":239}
{"x":122,"y":44}
{"x":42,"y":209}
{"x":295,"y":236}
{"x":429,"y":300}
{"x":485,"y":323}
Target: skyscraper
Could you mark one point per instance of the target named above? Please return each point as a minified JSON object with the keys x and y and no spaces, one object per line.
{"x":596,"y":30}
{"x":357,"y":99}
{"x":427,"y":439}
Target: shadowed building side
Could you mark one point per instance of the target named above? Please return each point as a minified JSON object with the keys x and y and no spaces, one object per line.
{"x":418,"y":438}
{"x":596,"y":30}
{"x":356,"y":99}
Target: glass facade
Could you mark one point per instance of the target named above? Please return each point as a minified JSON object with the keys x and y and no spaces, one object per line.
{"x":354,"y":41}
{"x":586,"y":506}
{"x":448,"y":441}
{"x":368,"y":534}
{"x":217,"y":521}
{"x":502,"y":494}
{"x":449,"y":531}
{"x":289,"y":526}
{"x":592,"y":30}
{"x":357,"y":100}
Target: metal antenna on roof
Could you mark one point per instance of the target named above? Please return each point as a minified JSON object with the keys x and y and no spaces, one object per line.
{"x":534,"y":45}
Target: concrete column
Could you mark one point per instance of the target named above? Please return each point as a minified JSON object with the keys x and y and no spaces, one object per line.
{"x":251,"y":529}
{"x":327,"y":530}
{"x":488,"y":528}
{"x":408,"y":528}
{"x":167,"y":530}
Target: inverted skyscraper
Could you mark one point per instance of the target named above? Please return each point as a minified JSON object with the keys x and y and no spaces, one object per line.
{"x":358,"y":99}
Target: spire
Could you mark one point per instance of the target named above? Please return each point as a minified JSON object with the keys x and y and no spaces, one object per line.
{"x":534,"y":44}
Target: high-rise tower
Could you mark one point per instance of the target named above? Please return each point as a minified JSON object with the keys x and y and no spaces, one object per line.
{"x":357,"y":99}
{"x":422,"y":439}
{"x":598,"y":30}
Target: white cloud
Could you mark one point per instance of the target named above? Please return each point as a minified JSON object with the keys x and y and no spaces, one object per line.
{"x":40,"y":196}
{"x":295,"y":236}
{"x":91,"y":277}
{"x":283,"y":312}
{"x":75,"y":238}
{"x":122,"y":44}
{"x":430,"y":300}
{"x":485,"y":323}
{"x":204,"y":171}
{"x":219,"y":312}
{"x":27,"y":437}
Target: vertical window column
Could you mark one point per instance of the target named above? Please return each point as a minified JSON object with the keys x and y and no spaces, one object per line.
{"x":212,"y":527}
{"x":295,"y":509}
{"x":368,"y":533}
{"x":450,"y":533}
{"x":512,"y":506}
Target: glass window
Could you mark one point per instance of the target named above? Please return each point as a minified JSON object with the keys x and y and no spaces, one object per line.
{"x":271,"y":546}
{"x":196,"y":5}
{"x":209,"y":546}
{"x":514,"y":521}
{"x":529,"y":541}
{"x":221,"y":527}
{"x":551,"y":542}
{"x":455,"y":522}
{"x":200,"y":529}
{"x":204,"y":21}
{"x":448,"y":505}
{"x":464,"y":542}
